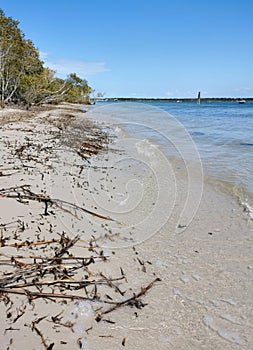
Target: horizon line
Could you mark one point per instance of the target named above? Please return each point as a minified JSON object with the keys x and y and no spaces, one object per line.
{"x":176,"y":98}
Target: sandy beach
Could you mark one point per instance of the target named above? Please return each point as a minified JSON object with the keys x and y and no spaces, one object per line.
{"x":86,"y":263}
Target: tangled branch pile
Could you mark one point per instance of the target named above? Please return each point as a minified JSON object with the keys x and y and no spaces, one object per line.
{"x":59,"y":272}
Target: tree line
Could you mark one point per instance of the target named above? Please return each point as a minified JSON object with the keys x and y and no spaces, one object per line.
{"x":23,"y":77}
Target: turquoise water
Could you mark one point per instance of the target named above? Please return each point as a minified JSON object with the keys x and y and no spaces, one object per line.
{"x":222,"y":132}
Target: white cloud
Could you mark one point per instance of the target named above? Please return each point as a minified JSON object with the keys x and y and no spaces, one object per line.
{"x":244,"y":89}
{"x":183,"y":93}
{"x":169,"y":93}
{"x":44,"y":55}
{"x":172,"y":94}
{"x":63,"y":67}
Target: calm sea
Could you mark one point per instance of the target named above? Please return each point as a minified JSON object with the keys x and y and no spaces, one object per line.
{"x":221,"y":131}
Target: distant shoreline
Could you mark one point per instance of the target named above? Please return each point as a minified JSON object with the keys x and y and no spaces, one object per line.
{"x":207,"y":99}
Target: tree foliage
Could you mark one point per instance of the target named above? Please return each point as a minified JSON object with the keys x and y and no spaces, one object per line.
{"x":79,"y":90}
{"x":24,"y":79}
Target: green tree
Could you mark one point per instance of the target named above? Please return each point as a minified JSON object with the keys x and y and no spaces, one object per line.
{"x":23,"y":79}
{"x":10,"y":38}
{"x":17,"y":58}
{"x":79,"y":90}
{"x":43,"y":87}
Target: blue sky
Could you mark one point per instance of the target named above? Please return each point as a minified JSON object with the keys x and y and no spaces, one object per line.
{"x":145,"y":48}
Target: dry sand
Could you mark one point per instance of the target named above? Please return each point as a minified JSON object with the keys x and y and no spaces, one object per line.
{"x":204,"y":298}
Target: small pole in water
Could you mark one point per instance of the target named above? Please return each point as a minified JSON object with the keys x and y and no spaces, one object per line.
{"x":198,"y":99}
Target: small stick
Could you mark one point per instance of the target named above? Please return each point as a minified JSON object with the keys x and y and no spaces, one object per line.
{"x":28,"y":244}
{"x":52,"y":295}
{"x":50,"y":241}
{"x":36,"y":329}
{"x":29,"y":195}
{"x":55,"y":258}
{"x":133,"y":298}
{"x":66,"y":281}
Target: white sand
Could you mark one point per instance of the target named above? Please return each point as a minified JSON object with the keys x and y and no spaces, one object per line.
{"x":204,"y":300}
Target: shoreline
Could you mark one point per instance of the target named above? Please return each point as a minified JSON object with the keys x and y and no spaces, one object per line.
{"x":179,"y":99}
{"x":204,"y":296}
{"x":238,"y":186}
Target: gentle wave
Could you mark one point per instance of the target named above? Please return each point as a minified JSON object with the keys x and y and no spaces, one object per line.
{"x":222,"y":132}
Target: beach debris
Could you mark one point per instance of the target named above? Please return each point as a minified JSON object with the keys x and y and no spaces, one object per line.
{"x":37,"y":263}
{"x":23,"y":194}
{"x":69,"y":278}
{"x":67,"y":275}
{"x":10,"y":343}
{"x":43,"y":340}
{"x":132,"y":301}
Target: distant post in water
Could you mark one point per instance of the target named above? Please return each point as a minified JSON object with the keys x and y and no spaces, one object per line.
{"x":198,"y":99}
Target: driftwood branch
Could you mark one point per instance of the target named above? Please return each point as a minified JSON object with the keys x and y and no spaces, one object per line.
{"x":22,"y":193}
{"x":34,"y":274}
{"x":134,"y":300}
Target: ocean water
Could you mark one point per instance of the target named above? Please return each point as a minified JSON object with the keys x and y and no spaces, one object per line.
{"x":222,"y":133}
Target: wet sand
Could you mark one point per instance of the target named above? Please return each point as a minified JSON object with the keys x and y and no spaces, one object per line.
{"x":204,"y":298}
